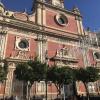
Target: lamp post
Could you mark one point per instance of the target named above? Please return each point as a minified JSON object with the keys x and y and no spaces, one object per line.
{"x":46,"y":60}
{"x":28,"y":90}
{"x":46,"y":84}
{"x":64,"y":92}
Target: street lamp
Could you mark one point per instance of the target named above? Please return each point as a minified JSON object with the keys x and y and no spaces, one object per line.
{"x":46,"y":60}
{"x":28,"y":90}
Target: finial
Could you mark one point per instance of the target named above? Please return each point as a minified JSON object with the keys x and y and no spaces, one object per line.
{"x":76,"y":10}
{"x":25,"y":10}
{"x":62,"y":0}
{"x":88,"y":29}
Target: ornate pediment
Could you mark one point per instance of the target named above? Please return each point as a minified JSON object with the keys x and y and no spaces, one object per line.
{"x":65,"y":54}
{"x":20,"y":55}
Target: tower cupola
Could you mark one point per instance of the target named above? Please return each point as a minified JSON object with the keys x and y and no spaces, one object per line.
{"x":59,"y":3}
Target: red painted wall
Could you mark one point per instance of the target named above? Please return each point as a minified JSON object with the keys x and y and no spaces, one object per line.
{"x":91,"y":57}
{"x":53,"y":47}
{"x":10,"y":47}
{"x":70,"y":27}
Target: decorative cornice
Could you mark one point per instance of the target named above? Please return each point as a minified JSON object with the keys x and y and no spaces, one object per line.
{"x":69,"y":59}
{"x":25,"y":25}
{"x":16,"y":60}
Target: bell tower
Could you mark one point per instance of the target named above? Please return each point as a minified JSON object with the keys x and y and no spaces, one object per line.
{"x":59,"y":3}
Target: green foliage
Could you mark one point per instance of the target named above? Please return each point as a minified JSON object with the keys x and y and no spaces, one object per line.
{"x":3,"y":71}
{"x":60,"y":76}
{"x":39,"y":69}
{"x":31,"y":71}
{"x":23,"y":72}
{"x":88,"y":74}
{"x":2,"y":75}
{"x":93,"y":74}
{"x":81,"y":75}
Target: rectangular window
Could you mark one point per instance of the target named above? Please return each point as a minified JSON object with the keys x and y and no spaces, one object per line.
{"x":91,"y":87}
{"x":40,"y":87}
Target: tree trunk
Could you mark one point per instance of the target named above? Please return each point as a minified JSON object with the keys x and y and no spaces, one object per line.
{"x":87,"y":92}
{"x":24,"y":90}
{"x":58,"y":90}
{"x":28,"y":90}
{"x":74,"y":90}
{"x":46,"y":95}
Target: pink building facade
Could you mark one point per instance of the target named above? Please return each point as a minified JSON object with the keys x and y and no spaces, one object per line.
{"x":49,"y":29}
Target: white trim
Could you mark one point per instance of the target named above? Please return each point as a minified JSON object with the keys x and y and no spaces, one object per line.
{"x":62,"y":31}
{"x":81,"y":27}
{"x":78,"y":27}
{"x":39,"y":14}
{"x":44,"y":16}
{"x":5,"y":45}
{"x":29,"y":35}
{"x":66,"y":43}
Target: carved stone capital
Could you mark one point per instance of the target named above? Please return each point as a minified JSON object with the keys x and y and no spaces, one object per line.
{"x":39,"y":6}
{"x":78,"y":18}
{"x":3,"y":32}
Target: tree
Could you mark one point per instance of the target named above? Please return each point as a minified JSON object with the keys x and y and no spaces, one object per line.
{"x":30,"y":71}
{"x":60,"y":76}
{"x":74,"y":83}
{"x":2,"y":74}
{"x":23,"y":73}
{"x":86,"y":75}
{"x":40,"y":71}
{"x":3,"y":70}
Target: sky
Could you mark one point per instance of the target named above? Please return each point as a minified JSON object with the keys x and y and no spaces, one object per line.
{"x":90,"y":10}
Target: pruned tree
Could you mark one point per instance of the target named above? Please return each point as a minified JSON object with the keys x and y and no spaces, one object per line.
{"x":3,"y":70}
{"x":30,"y":71}
{"x":60,"y":76}
{"x":23,"y":73}
{"x":86,"y":75}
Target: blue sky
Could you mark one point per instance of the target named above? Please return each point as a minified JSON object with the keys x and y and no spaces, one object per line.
{"x":90,"y":10}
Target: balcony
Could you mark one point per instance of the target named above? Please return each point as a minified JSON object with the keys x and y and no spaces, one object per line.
{"x":65,"y":55}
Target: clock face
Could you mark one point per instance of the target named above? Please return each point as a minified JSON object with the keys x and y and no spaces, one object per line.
{"x":61,"y":19}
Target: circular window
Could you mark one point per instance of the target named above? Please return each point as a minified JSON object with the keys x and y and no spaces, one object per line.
{"x":23,"y":44}
{"x":61,"y":19}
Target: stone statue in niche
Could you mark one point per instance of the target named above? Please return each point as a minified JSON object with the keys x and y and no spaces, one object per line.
{"x":62,"y":52}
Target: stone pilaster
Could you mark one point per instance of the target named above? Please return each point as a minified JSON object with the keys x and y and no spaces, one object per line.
{"x":8,"y":88}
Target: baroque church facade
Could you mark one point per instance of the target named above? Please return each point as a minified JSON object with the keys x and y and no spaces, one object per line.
{"x":50,"y":31}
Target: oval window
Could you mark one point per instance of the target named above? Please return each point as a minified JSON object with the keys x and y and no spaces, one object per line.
{"x":61,"y":19}
{"x":23,"y":44}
